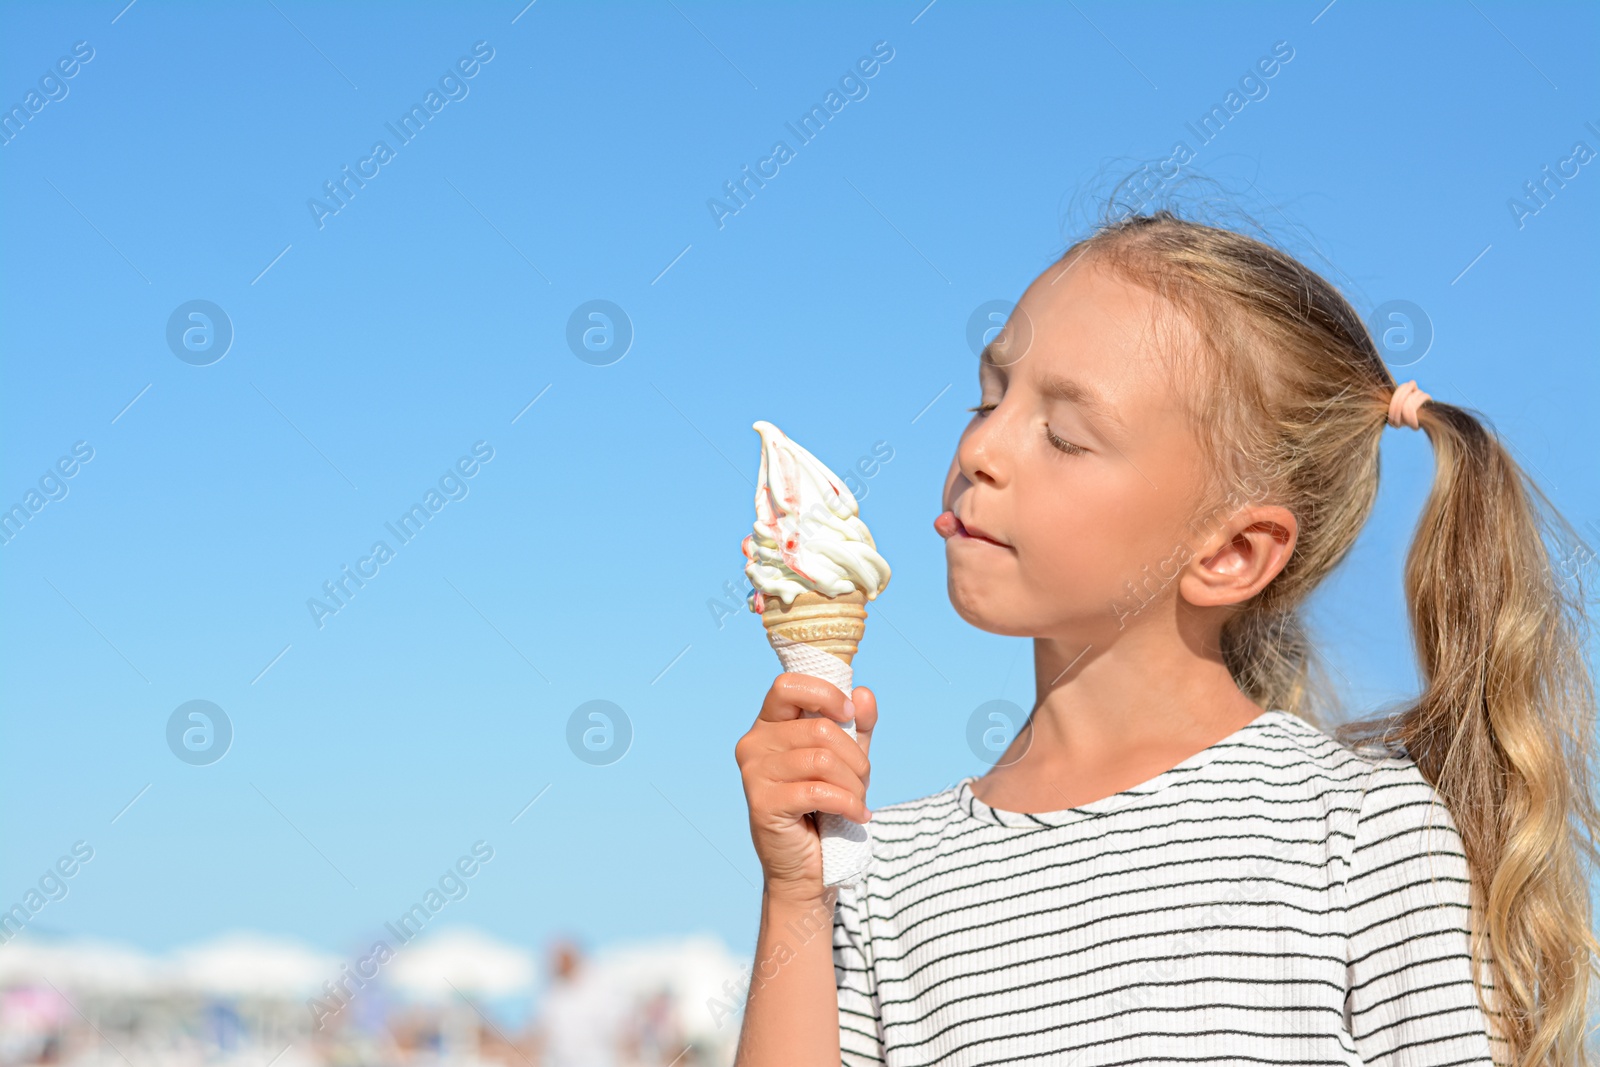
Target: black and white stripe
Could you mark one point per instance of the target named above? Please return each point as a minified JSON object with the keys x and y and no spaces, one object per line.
{"x":1276,"y":898}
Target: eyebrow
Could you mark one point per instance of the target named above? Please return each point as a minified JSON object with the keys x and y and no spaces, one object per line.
{"x":1059,"y":387}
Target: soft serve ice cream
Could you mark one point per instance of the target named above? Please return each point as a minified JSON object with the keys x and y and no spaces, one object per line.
{"x":808,"y":536}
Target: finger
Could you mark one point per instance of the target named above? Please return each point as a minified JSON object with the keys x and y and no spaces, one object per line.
{"x":793,"y":694}
{"x":812,"y":765}
{"x":866,"y":705}
{"x":816,"y":733}
{"x":794,"y":799}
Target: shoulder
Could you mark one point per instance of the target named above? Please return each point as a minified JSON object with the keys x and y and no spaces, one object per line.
{"x":1285,"y":739}
{"x":1290,"y":768}
{"x":1377,"y":794}
{"x":1393,"y":798}
{"x":1397,"y":843}
{"x":1377,"y":779}
{"x":1404,"y":824}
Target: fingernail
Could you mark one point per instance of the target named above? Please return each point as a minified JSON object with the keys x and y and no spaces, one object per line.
{"x":849,"y":708}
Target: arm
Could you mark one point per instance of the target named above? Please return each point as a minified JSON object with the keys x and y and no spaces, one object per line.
{"x":792,"y":1014}
{"x":793,"y":765}
{"x":1411,"y":1000}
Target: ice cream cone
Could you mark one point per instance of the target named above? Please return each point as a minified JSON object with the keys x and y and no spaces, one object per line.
{"x":808,"y":536}
{"x":832,"y":624}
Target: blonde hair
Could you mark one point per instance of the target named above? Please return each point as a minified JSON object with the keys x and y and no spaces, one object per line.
{"x":1295,"y":395}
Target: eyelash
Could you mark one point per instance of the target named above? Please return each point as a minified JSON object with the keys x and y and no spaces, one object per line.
{"x":1065,"y":446}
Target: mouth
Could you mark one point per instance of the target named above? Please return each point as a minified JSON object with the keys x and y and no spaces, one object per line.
{"x":964,"y":532}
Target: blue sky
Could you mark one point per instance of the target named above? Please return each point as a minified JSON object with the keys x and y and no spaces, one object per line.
{"x":374,"y":347}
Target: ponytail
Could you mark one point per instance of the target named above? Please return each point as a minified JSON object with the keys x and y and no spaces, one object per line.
{"x":1503,"y":729}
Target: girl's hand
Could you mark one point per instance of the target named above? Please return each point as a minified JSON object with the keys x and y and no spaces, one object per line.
{"x":794,"y":765}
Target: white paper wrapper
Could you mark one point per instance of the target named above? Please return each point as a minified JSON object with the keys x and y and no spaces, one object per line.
{"x":846,"y":845}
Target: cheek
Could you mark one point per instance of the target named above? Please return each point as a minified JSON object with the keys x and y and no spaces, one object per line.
{"x":1081,"y":546}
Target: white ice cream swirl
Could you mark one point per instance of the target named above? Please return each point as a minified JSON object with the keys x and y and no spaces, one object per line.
{"x":808,"y":536}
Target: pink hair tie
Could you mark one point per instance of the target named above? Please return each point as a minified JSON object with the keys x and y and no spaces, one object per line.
{"x":1405,"y":403}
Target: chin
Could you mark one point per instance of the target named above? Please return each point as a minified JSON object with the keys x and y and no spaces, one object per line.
{"x":983,"y":609}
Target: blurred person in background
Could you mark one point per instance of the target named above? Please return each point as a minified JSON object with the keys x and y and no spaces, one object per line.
{"x":579,"y":1019}
{"x":655,"y":1036}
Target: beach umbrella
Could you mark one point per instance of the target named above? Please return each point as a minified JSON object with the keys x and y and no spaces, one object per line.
{"x":460,"y":960}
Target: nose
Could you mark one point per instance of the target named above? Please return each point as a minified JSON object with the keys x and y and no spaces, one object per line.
{"x":979,"y":454}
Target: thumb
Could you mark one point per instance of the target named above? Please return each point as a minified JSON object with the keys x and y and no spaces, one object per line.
{"x":866,"y":705}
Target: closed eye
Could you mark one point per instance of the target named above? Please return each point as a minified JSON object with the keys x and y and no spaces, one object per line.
{"x":1065,"y":446}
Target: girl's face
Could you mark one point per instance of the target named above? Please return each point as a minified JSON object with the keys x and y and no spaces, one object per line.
{"x":1081,"y":464}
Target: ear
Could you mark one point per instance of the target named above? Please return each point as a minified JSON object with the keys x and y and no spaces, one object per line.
{"x":1239,"y":559}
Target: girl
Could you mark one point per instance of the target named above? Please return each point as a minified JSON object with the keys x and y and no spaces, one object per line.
{"x":1177,"y":440}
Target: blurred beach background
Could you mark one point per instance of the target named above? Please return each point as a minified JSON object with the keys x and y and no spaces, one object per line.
{"x":520,"y":347}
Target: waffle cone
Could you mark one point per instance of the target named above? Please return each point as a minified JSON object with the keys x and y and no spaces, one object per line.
{"x":832,"y":624}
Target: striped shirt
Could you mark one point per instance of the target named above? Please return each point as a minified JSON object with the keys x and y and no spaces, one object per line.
{"x":1276,"y":898}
